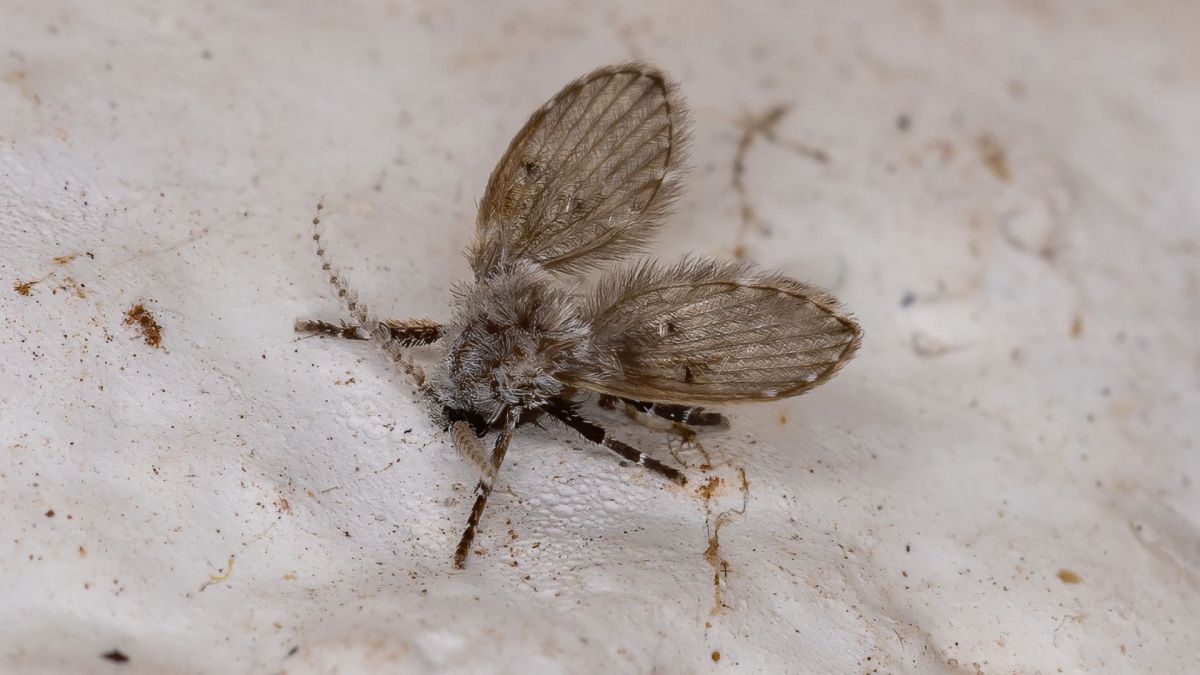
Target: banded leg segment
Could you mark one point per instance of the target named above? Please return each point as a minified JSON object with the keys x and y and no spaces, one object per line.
{"x":596,"y":434}
{"x":410,"y":333}
{"x":693,"y":416}
{"x":484,"y":489}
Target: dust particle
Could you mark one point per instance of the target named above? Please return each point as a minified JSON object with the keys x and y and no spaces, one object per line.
{"x":1076,"y":326}
{"x":151,"y":331}
{"x":716,"y":656}
{"x":1068,"y":577}
{"x":50,"y":513}
{"x":994,"y":157}
{"x":116,"y":656}
{"x":707,"y":490}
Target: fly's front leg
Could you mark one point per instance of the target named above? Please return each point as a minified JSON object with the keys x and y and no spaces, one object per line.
{"x":484,"y":489}
{"x":409,"y":333}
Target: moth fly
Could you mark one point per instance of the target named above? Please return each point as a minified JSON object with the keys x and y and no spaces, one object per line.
{"x":587,"y":181}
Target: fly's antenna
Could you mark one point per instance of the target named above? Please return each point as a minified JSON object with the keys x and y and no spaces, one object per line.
{"x":343,"y":290}
{"x":380,"y":334}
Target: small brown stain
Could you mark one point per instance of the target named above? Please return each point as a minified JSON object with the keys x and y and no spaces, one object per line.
{"x":70,"y":284}
{"x":116,"y":656}
{"x":23,"y":287}
{"x":994,"y":157}
{"x":943,"y":148}
{"x":709,"y":488}
{"x":50,"y":513}
{"x":1076,"y":326}
{"x":712,"y":554}
{"x":150,"y":329}
{"x":64,"y":259}
{"x":282,"y":505}
{"x":716,"y":656}
{"x":1068,"y":577}
{"x":783,"y":419}
{"x":82,"y":552}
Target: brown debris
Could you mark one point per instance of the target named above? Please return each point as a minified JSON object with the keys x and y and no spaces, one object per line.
{"x":150,"y":329}
{"x":754,"y":126}
{"x":1068,"y":577}
{"x":994,"y":157}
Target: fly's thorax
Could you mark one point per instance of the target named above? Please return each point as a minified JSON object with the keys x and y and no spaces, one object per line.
{"x":514,"y":335}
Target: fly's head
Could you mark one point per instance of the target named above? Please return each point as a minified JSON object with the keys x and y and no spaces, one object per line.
{"x":513,"y":336}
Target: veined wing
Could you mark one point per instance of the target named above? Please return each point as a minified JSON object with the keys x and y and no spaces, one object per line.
{"x":588,"y":178}
{"x":705,"y":331}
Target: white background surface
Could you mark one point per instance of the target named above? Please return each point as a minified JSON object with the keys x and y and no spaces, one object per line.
{"x":1023,"y":257}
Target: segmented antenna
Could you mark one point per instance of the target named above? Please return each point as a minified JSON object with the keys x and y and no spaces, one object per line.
{"x":379,"y":331}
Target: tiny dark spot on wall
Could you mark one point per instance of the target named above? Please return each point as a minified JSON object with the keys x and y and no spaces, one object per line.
{"x":116,"y":656}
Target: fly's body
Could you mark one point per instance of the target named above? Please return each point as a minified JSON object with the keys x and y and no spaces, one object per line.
{"x":514,"y":337}
{"x":586,"y":182}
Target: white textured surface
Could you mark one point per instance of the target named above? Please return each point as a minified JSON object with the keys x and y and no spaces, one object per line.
{"x":913,"y":515}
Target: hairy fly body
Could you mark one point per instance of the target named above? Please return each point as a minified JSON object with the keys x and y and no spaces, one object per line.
{"x":586,"y":182}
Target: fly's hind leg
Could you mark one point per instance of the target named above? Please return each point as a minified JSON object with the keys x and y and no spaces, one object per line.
{"x":595,"y":433}
{"x":682,"y":418}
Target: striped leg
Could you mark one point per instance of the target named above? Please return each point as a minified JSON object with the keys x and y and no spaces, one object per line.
{"x":484,"y":489}
{"x":692,"y":416}
{"x":410,"y":333}
{"x":327,"y":329}
{"x":596,"y":434}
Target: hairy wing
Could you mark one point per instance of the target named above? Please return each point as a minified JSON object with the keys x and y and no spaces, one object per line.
{"x":704,"y":331}
{"x":589,"y":176}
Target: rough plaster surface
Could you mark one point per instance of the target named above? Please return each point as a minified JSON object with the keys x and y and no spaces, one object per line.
{"x":1004,"y":481}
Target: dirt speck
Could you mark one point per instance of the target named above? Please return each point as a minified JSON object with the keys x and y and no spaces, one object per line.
{"x":23,"y":287}
{"x":1068,"y":577}
{"x":716,"y":656}
{"x":50,"y":513}
{"x":82,"y":552}
{"x":712,"y":554}
{"x":218,"y":578}
{"x":709,"y":488}
{"x":116,"y":656}
{"x":64,"y":259}
{"x":1076,"y":326}
{"x":141,"y":317}
{"x":994,"y":157}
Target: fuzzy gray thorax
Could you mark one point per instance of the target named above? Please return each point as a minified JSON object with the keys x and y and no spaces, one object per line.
{"x":513,"y":334}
